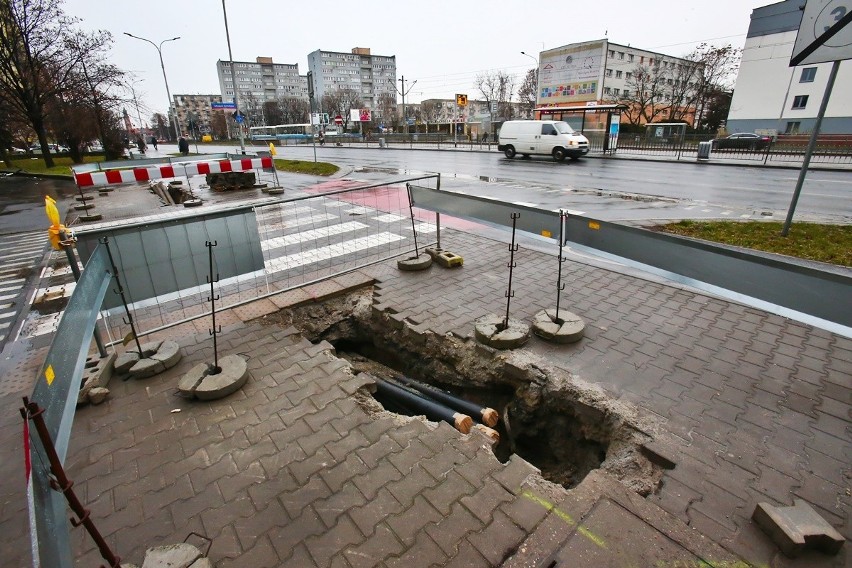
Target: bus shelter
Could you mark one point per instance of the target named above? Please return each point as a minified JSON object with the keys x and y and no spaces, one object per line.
{"x":599,"y":123}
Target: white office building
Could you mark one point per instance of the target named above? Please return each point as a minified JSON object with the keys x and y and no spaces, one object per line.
{"x":369,"y":75}
{"x":772,"y":96}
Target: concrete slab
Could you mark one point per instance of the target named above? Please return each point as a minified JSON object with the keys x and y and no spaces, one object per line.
{"x":181,"y":555}
{"x":415,"y":263}
{"x":797,"y":528}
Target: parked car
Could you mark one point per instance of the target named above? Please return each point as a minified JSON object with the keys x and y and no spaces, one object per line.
{"x":742,"y":141}
{"x":17,"y":151}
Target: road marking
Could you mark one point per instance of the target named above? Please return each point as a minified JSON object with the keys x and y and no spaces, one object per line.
{"x":9,"y":297}
{"x":525,"y":204}
{"x":389,"y":218}
{"x":296,"y":222}
{"x":331,"y":251}
{"x":312,"y":235}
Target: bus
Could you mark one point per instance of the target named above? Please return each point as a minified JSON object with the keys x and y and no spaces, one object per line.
{"x":281,"y":132}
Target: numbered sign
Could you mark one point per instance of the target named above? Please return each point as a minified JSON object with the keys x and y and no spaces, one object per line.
{"x":818,"y":18}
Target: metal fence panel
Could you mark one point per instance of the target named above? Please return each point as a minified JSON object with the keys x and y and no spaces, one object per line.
{"x":808,"y":290}
{"x":56,"y":392}
{"x":163,"y":257}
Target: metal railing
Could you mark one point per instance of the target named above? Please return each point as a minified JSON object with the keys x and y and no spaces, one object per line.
{"x":295,"y":241}
{"x":303,"y":239}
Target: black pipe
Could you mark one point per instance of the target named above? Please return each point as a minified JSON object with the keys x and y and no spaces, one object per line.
{"x":487,"y":416}
{"x":433,"y":410}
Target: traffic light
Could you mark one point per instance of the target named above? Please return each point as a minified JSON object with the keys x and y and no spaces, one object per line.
{"x":461,"y":100}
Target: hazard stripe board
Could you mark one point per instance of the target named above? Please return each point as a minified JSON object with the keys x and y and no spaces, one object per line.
{"x":111,"y":177}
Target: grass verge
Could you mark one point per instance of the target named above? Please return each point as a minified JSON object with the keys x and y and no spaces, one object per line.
{"x":811,"y":241}
{"x":62,"y":164}
{"x":305,"y":167}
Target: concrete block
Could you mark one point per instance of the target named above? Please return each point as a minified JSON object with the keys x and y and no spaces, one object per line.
{"x":489,"y":331}
{"x":796,"y":528}
{"x":415,"y":263}
{"x":199,"y":383}
{"x":569,"y":328}
{"x":181,"y":555}
{"x":449,"y":260}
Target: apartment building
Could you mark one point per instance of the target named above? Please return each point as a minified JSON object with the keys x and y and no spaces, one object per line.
{"x":195,"y":113}
{"x":772,"y":97}
{"x":601,"y":72}
{"x":369,"y":75}
{"x":260,"y":81}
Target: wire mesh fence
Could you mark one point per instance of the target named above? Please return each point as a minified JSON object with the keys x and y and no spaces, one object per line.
{"x":303,"y":239}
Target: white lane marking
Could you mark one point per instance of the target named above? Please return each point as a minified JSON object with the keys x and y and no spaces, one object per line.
{"x":273,"y":211}
{"x":525,"y":204}
{"x":359,"y":211}
{"x":312,"y":235}
{"x":426,"y":228}
{"x":297,"y":222}
{"x":389,"y":218}
{"x":331,"y":251}
{"x":13,"y":280}
{"x":9,"y":296}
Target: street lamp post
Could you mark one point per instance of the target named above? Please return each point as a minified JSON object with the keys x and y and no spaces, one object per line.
{"x":165,"y":80}
{"x":537,"y":78}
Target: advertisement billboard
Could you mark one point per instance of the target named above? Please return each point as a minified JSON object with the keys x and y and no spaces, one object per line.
{"x":571,"y":74}
{"x":360,"y":115}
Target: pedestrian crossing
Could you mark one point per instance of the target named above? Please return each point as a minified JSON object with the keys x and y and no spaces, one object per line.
{"x":21,"y":255}
{"x":293,"y":237}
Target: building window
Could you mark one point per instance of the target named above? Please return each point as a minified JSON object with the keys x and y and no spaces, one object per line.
{"x":612,"y":53}
{"x":618,"y":74}
{"x":800,"y":101}
{"x":792,"y":127}
{"x":628,"y":75}
{"x":630,"y":57}
{"x":609,"y":72}
{"x":626,"y":93}
{"x":808,"y":75}
{"x":621,"y":55}
{"x":607,"y":90}
{"x":615,"y":92}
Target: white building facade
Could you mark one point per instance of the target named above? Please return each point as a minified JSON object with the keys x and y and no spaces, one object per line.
{"x":261,"y":80}
{"x":772,"y":96}
{"x":369,"y":75}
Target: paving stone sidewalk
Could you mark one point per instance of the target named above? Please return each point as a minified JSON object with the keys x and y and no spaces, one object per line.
{"x":292,"y":471}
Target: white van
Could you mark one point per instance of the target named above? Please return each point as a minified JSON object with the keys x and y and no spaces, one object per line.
{"x":541,"y":137}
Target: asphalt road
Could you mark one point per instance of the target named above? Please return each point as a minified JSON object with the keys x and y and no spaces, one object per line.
{"x":609,"y":189}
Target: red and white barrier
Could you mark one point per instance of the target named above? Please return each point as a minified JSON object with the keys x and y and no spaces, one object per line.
{"x":110,"y":177}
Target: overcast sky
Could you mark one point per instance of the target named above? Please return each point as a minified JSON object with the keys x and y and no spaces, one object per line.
{"x":442,"y":44}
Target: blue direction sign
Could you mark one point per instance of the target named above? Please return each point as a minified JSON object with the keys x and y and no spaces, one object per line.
{"x":223,"y":106}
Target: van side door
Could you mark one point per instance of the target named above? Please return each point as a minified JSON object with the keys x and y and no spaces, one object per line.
{"x":548,"y":139}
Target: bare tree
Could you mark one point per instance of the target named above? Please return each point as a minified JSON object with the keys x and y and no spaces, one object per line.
{"x":40,"y":51}
{"x":645,"y":98}
{"x":527,"y":93}
{"x":431,"y":112}
{"x":219,"y":125}
{"x":497,"y":86}
{"x":341,"y":101}
{"x":386,"y":106}
{"x":294,"y":111}
{"x":718,"y":67}
{"x":273,"y":112}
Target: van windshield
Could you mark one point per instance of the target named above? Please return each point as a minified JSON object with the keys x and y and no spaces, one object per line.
{"x":563,"y":128}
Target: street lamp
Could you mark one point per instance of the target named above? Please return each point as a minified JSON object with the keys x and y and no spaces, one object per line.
{"x":537,"y":77}
{"x":163,"y":67}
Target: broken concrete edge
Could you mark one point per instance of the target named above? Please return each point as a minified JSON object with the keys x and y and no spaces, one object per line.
{"x":181,"y":555}
{"x":345,"y":284}
{"x":797,"y":528}
{"x":569,"y":508}
{"x":165,"y":355}
{"x":97,"y":374}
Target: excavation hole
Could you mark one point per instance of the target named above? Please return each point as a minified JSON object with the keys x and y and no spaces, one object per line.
{"x":552,"y":435}
{"x":561,"y":425}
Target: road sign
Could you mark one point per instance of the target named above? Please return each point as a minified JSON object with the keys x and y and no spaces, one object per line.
{"x":338,"y":119}
{"x":820,"y":17}
{"x":223,"y":106}
{"x":461,"y":100}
